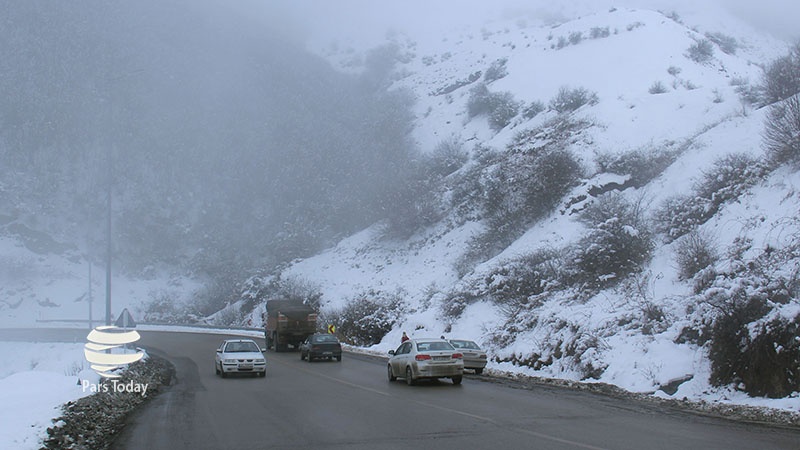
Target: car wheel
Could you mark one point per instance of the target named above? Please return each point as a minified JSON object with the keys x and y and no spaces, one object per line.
{"x":339,"y":358}
{"x":478,"y":371}
{"x":216,"y":369}
{"x":409,"y":377}
{"x":262,"y":374}
{"x":302,"y":357}
{"x":222,"y":372}
{"x":457,"y":379}
{"x":310,"y":357}
{"x":391,"y":374}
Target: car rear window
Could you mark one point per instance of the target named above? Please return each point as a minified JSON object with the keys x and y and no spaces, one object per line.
{"x":465,"y":344}
{"x":427,"y":346}
{"x":325,"y":338}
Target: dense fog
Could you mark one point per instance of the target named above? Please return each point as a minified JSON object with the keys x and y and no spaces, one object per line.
{"x":226,"y":146}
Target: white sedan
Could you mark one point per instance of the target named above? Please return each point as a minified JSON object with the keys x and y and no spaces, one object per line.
{"x":474,"y":355}
{"x":426,"y":358}
{"x":240,"y":356}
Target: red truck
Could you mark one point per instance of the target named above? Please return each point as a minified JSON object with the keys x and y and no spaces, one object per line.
{"x":288,"y":322}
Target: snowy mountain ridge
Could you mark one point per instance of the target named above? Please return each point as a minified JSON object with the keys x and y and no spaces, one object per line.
{"x":653,"y":96}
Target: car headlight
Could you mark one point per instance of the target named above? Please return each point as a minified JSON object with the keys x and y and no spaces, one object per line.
{"x":260,"y":361}
{"x":229,"y":361}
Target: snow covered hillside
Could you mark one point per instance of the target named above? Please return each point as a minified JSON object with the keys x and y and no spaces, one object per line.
{"x":661,"y":110}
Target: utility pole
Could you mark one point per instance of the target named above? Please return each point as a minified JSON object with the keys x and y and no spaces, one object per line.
{"x":108,"y":245}
{"x":110,"y":152}
{"x":90,"y":295}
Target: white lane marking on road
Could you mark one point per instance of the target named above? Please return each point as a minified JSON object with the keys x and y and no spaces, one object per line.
{"x":455,"y":411}
{"x":519,"y":429}
{"x":338,"y":380}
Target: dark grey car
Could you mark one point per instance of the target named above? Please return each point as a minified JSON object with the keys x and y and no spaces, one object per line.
{"x":321,"y":345}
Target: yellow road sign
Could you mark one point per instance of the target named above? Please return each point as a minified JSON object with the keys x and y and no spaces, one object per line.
{"x":331,"y":329}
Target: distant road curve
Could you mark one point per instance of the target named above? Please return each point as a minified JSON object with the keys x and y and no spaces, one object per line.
{"x":352,"y":405}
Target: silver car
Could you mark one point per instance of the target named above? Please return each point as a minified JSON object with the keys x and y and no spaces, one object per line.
{"x":416,"y":359}
{"x":474,"y":356}
{"x":240,"y":356}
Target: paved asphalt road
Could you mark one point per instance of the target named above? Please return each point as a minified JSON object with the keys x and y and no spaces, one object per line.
{"x":352,"y":405}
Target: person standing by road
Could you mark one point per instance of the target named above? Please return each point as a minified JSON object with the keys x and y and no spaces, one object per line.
{"x":404,"y":338}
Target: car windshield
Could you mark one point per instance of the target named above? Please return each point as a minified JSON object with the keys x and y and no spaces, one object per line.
{"x":427,"y":346}
{"x":240,"y":347}
{"x":465,"y":344}
{"x":325,"y":338}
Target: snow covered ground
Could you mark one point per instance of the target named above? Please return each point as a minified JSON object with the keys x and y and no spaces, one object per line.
{"x":36,"y":379}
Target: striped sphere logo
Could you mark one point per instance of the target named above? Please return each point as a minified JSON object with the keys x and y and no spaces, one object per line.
{"x":106,"y":350}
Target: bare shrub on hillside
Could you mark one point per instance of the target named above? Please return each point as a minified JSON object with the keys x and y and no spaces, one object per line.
{"x":782,"y":77}
{"x":515,"y":284}
{"x":230,"y":316}
{"x":729,"y":333}
{"x":454,"y":304}
{"x":695,"y":252}
{"x":599,"y":32}
{"x":782,"y":132}
{"x":503,"y":110}
{"x":526,"y":187}
{"x":727,"y":179}
{"x":533,"y":109}
{"x":727,"y":44}
{"x":754,"y":329}
{"x":496,"y":70}
{"x":748,"y":94}
{"x":368,"y":317}
{"x":417,"y":205}
{"x":701,"y":51}
{"x":568,"y":100}
{"x":657,"y":88}
{"x":448,"y":156}
{"x":642,"y":164}
{"x":639,"y":289}
{"x":479,"y":101}
{"x":467,"y":185}
{"x":750,"y":349}
{"x":678,"y":215}
{"x":619,"y":242}
{"x":515,"y":188}
{"x":500,"y":107}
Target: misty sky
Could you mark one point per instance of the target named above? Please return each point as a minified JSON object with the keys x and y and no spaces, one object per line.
{"x":369,"y":20}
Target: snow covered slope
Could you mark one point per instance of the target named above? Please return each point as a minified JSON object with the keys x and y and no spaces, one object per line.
{"x":654,"y":93}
